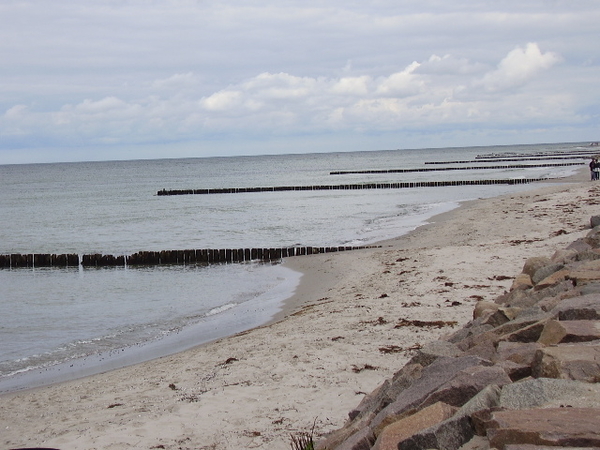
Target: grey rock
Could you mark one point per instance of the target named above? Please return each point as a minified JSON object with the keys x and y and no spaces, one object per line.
{"x":546,"y":271}
{"x":561,"y":427}
{"x":568,"y":362}
{"x":532,"y":265}
{"x":586,"y":307}
{"x":434,"y":350}
{"x":432,"y":378}
{"x":549,"y":392}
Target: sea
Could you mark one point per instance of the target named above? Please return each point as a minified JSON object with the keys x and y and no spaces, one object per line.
{"x":60,"y":323}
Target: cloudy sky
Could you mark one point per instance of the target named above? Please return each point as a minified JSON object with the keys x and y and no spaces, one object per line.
{"x":129,"y":79}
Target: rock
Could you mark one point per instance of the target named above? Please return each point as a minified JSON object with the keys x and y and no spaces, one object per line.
{"x":466,"y":384}
{"x":452,"y":433}
{"x":361,"y":440}
{"x":483,"y":308}
{"x":387,"y":392}
{"x":586,"y":307}
{"x":532,"y":265}
{"x":564,"y":256}
{"x":473,"y":328}
{"x":433,"y":377}
{"x":587,"y":272}
{"x":530,"y":333}
{"x":515,"y":371}
{"x":434,"y":350}
{"x":338,"y":437}
{"x":579,"y":245}
{"x":544,"y":447}
{"x":593,"y":237}
{"x":568,"y":362}
{"x":522,"y":282}
{"x":486,"y":349}
{"x":553,"y":279}
{"x":589,"y":288}
{"x":556,"y":332}
{"x":545,"y":272}
{"x":448,"y":435}
{"x":518,"y":352}
{"x":404,"y":428}
{"x":545,"y":426}
{"x":594,"y":221}
{"x":549,"y":392}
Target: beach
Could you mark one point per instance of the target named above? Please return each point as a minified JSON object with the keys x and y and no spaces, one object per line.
{"x":339,"y":337}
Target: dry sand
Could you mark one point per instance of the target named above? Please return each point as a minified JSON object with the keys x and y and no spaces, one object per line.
{"x":338,"y":341}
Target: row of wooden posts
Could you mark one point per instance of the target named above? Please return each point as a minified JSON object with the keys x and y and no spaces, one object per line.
{"x":153,"y":258}
{"x":445,"y":169}
{"x":403,"y":185}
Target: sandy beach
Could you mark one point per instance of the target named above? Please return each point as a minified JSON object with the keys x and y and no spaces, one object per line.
{"x":340,"y":336}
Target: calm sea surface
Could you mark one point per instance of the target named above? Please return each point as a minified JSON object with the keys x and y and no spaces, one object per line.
{"x":124,"y":315}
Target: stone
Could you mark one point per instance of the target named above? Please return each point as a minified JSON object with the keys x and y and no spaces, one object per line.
{"x":387,"y":392}
{"x":544,"y":447}
{"x":434,"y":350}
{"x":545,"y":426}
{"x":461,"y":388}
{"x":448,"y":435}
{"x":568,"y":362}
{"x":587,"y":272}
{"x":530,"y":333}
{"x":546,"y":271}
{"x":549,"y":392}
{"x":594,"y":221}
{"x":361,"y":440}
{"x":522,"y":282}
{"x":579,"y":245}
{"x":553,"y":279}
{"x":338,"y":437}
{"x":515,"y":371}
{"x":556,"y":332}
{"x":432,"y":378}
{"x":564,"y":256}
{"x":593,"y":237}
{"x":586,"y":307}
{"x":404,"y":428}
{"x":589,"y":288}
{"x":452,"y":433}
{"x":473,"y":328}
{"x":532,"y":265}
{"x":486,"y":349}
{"x":517,"y":352}
{"x":483,"y":308}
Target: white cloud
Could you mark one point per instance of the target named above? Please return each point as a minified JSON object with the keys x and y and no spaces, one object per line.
{"x":518,"y":67}
{"x":402,"y":83}
{"x":222,"y":101}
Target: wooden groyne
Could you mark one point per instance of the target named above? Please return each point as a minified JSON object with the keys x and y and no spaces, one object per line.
{"x":496,"y":160}
{"x":446,"y":169}
{"x":165,"y":257}
{"x":332,"y":187}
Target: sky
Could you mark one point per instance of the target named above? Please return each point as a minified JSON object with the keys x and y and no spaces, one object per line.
{"x":84,"y":80}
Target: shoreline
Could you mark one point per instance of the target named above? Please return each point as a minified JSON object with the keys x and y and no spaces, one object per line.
{"x":253,"y":389}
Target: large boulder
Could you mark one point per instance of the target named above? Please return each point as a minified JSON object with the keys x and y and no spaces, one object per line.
{"x":433,"y":378}
{"x":404,"y":428}
{"x":568,"y":362}
{"x":549,"y":392}
{"x":586,"y":307}
{"x":556,"y":332}
{"x":559,"y":427}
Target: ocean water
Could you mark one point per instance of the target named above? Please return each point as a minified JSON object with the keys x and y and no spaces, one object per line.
{"x":59,"y":317}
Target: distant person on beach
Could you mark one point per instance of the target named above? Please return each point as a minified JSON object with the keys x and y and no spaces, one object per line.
{"x":595,"y":169}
